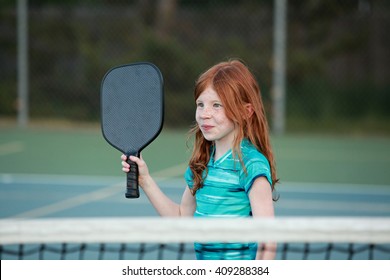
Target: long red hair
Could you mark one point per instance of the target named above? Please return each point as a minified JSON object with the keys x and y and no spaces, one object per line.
{"x":236,"y":87}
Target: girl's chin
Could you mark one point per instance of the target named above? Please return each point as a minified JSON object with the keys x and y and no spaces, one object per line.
{"x":208,"y":137}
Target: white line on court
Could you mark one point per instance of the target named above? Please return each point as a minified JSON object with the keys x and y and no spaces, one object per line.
{"x":333,"y":206}
{"x":317,"y":155}
{"x":174,"y":175}
{"x":79,"y":199}
{"x":115,"y":186}
{"x":11,"y":148}
{"x":50,"y":179}
{"x":329,"y":188}
{"x":307,"y":205}
{"x":71,"y":202}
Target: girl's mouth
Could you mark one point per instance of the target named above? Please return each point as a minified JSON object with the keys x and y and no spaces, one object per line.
{"x":206,"y":127}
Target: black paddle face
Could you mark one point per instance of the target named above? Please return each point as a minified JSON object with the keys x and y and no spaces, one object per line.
{"x":132,"y":101}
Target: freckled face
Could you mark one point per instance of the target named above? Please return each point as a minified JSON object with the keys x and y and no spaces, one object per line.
{"x":211,"y":118}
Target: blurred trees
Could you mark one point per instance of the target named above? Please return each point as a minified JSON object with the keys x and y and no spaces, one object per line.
{"x":338,"y":59}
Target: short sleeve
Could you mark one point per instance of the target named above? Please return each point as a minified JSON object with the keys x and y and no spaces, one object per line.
{"x":254,"y":170}
{"x":189,"y":178}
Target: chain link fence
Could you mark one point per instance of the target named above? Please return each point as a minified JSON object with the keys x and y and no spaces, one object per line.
{"x":337,"y":56}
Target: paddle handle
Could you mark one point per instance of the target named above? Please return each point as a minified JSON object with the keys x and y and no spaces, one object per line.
{"x":132,"y":189}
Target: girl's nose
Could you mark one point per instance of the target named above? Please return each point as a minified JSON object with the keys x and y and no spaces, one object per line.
{"x":206,"y":113}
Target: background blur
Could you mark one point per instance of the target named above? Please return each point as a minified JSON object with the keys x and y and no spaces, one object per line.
{"x":332,"y":151}
{"x":337,"y":56}
{"x":323,"y":67}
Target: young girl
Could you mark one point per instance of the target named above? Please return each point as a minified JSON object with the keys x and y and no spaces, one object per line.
{"x":231,"y":172}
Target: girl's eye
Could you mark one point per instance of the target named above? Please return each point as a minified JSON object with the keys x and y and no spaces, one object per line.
{"x":199,"y":105}
{"x":217,"y":105}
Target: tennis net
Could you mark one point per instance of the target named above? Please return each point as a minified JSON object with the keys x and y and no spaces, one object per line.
{"x":172,"y":238}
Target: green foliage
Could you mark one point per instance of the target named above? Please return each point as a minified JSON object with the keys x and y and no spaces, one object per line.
{"x":8,"y":101}
{"x":357,"y":107}
{"x":73,"y":43}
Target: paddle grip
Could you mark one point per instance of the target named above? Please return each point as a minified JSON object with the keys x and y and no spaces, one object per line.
{"x":132,"y":189}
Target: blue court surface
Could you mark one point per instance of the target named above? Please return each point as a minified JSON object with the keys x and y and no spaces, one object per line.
{"x":40,"y":196}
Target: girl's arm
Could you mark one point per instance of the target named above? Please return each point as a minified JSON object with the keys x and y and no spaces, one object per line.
{"x":260,"y":197}
{"x":163,"y":204}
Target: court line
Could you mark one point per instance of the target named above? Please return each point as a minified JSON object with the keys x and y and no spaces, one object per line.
{"x":175,"y":175}
{"x":52,"y":179}
{"x":319,"y":155}
{"x":90,"y":196}
{"x":328,"y":205}
{"x":172,"y":173}
{"x":364,"y":208}
{"x":11,"y":148}
{"x":336,"y":188}
{"x":71,"y":202}
{"x":48,"y":179}
{"x":373,"y":208}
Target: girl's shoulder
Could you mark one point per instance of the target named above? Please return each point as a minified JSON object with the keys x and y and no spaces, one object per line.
{"x":256,"y":165}
{"x":251,"y":154}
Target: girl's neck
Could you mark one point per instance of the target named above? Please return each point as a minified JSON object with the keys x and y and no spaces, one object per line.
{"x":221,"y":148}
{"x":224,"y":144}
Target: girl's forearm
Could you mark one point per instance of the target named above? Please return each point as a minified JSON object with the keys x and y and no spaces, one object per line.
{"x":163,"y":204}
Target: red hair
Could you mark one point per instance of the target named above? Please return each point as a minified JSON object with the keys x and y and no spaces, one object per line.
{"x":237,"y":88}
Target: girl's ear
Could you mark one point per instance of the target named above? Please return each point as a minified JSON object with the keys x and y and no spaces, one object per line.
{"x":249,"y":110}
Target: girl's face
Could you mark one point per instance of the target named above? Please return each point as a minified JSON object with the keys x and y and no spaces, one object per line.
{"x":212,"y":120}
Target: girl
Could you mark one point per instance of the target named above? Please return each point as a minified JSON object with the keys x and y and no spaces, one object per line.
{"x":231,"y":172}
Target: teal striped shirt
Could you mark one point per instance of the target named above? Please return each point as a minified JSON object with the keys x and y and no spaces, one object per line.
{"x":225,"y":195}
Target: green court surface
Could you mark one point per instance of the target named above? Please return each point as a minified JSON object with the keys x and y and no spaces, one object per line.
{"x":76,"y":173}
{"x":299,"y":158}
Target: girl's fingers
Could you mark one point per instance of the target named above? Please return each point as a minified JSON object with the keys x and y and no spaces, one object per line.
{"x":132,"y":158}
{"x":126,"y":165}
{"x":135,"y":159}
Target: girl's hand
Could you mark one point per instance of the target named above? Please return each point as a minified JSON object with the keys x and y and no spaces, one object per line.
{"x":125,"y":165}
{"x":143,"y":171}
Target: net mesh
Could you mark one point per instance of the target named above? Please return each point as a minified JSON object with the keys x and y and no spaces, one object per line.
{"x":157,"y":238}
